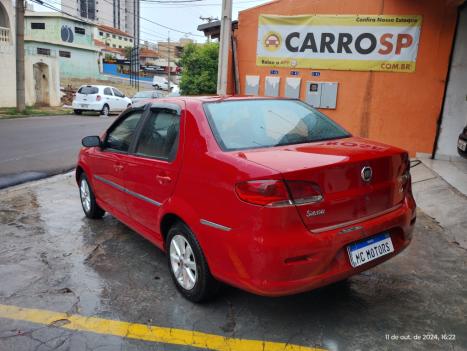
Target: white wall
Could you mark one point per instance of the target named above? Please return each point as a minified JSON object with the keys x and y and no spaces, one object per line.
{"x":455,"y":106}
{"x":54,"y":79}
{"x":8,"y":62}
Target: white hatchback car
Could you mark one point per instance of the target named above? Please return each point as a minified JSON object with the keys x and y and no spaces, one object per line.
{"x":100,"y":98}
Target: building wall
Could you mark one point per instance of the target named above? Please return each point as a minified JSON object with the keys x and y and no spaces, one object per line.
{"x":53,"y":78}
{"x":81,"y":64}
{"x":105,"y":13}
{"x":395,"y":108}
{"x":108,"y":38}
{"x":455,"y":104}
{"x":84,"y":56}
{"x":7,"y":56}
{"x":53,"y":31}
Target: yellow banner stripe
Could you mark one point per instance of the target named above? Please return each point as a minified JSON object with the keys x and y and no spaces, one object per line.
{"x":144,"y":332}
{"x":342,"y":65}
{"x":342,"y":20}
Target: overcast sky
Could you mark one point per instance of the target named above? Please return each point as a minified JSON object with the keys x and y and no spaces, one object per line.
{"x":181,"y":17}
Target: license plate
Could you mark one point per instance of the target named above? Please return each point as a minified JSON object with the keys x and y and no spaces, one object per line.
{"x":461,"y":144}
{"x":84,"y":105}
{"x":369,"y":250}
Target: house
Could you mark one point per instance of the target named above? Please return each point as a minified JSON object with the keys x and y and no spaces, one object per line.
{"x":148,"y":57}
{"x":70,"y":41}
{"x":113,"y":37}
{"x":174,"y":48}
{"x":7,"y":54}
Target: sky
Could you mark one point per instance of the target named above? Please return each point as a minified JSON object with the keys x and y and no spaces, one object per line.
{"x":183,"y":17}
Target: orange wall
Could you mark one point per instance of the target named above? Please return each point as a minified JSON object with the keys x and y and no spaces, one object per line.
{"x":396,"y":108}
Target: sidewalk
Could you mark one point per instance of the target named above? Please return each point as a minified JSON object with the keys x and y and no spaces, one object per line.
{"x":440,"y":189}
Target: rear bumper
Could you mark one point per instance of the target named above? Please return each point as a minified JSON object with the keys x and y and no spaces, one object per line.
{"x":298,"y":262}
{"x":96,"y":106}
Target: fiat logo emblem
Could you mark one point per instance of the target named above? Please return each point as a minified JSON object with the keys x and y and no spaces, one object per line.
{"x":367,"y":173}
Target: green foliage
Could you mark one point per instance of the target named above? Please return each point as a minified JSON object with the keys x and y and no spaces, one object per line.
{"x":127,"y":52}
{"x":199,"y":69}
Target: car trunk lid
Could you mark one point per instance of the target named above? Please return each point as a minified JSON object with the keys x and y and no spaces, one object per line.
{"x":339,"y":167}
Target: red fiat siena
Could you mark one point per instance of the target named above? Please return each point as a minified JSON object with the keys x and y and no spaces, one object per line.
{"x":268,"y":195}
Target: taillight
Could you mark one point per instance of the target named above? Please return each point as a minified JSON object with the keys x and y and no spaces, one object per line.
{"x":264,"y":192}
{"x":405,"y":179}
{"x":304,"y":192}
{"x":274,"y":193}
{"x":98,"y":98}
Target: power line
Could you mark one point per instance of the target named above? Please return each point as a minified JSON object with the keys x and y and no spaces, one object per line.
{"x":51,"y":7}
{"x":162,"y":25}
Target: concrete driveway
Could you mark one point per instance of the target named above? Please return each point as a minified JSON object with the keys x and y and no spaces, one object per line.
{"x":70,"y":283}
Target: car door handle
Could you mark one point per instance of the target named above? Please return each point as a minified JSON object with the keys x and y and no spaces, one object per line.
{"x":118,"y":167}
{"x":163,"y":179}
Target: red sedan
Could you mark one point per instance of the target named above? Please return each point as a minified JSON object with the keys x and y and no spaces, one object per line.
{"x":268,"y":195}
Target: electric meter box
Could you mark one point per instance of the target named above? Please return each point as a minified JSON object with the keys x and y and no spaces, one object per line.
{"x":321,"y":94}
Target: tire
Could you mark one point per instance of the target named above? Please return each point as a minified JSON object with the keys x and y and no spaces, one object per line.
{"x":157,"y":87}
{"x":77,"y":112}
{"x":105,"y":110}
{"x":88,"y":200}
{"x":203,"y":287}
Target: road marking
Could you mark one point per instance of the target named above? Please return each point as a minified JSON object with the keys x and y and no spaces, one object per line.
{"x":144,"y":332}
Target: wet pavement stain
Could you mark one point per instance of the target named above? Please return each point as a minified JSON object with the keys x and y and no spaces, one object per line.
{"x":53,"y":258}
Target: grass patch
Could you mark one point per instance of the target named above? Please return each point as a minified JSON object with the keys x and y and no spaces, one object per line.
{"x":11,"y":112}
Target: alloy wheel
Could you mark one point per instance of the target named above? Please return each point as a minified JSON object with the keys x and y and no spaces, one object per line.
{"x":85,"y":194}
{"x":183,"y":262}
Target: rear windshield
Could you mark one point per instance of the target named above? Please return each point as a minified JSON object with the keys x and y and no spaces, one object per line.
{"x":143,"y":94}
{"x":249,"y":124}
{"x":88,"y":90}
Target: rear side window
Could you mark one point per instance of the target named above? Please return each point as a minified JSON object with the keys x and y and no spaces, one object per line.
{"x":108,"y":91}
{"x":159,"y":137}
{"x":250,"y":124}
{"x":118,"y":92}
{"x":121,"y":135}
{"x":88,"y":90}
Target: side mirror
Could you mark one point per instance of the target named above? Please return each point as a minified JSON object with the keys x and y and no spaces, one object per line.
{"x":91,"y":141}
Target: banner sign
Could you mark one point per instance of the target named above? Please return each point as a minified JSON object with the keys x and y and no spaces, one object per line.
{"x":339,"y":42}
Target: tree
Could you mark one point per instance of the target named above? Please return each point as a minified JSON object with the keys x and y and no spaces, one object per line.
{"x":199,"y":69}
{"x":127,"y":50}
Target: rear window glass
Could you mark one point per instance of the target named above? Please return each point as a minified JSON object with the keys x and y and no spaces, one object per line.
{"x":88,"y":90}
{"x":250,"y":124}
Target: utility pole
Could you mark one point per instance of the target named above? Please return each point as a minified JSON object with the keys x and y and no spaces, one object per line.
{"x":168,"y":62}
{"x":226,"y":32}
{"x":20,"y":94}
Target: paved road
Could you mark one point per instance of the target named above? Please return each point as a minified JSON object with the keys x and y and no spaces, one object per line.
{"x":36,"y":147}
{"x":57,"y":268}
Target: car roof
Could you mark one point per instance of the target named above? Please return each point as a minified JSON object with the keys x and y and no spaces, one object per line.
{"x":97,"y":86}
{"x":214,"y":98}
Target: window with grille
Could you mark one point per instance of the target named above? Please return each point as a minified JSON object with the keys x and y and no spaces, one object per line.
{"x":35,"y":25}
{"x":79,"y":30}
{"x":66,"y":54}
{"x":43,"y":51}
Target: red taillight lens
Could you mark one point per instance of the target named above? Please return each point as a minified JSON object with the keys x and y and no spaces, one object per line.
{"x":405,"y":179}
{"x":274,"y":193}
{"x":98,"y":98}
{"x":304,"y":192}
{"x":264,"y":192}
